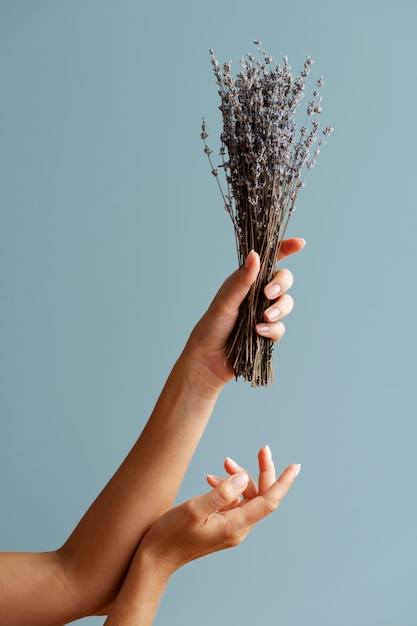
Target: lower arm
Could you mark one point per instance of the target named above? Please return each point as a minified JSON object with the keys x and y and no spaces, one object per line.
{"x":98,"y":554}
{"x":139,"y":598}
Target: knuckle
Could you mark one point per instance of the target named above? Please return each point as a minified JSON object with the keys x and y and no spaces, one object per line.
{"x":232,"y":538}
{"x":190,"y":511}
{"x":224,"y":493}
{"x":271,"y":506}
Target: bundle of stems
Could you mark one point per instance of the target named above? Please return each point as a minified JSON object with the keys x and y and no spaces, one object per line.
{"x":264,"y":159}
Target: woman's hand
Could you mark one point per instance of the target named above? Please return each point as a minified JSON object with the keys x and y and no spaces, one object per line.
{"x":219,"y":519}
{"x":208,"y":341}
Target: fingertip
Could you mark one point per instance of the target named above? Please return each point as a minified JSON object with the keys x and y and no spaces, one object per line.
{"x":291,"y":246}
{"x":213,"y":480}
{"x":265,"y":452}
{"x":293,"y":471}
{"x":236,"y":287}
{"x":274,"y":331}
{"x":230,"y":464}
{"x":251,"y":259}
{"x":251,"y":267}
{"x":297,"y":469}
{"x":295,"y":244}
{"x":289,"y":475}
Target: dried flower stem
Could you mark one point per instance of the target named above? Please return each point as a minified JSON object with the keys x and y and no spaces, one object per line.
{"x":264,"y":165}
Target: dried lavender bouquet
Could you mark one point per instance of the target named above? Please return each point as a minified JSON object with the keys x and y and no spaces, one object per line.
{"x":264,"y":160}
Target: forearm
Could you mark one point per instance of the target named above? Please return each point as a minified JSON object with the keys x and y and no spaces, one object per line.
{"x":34,"y":590}
{"x":84,"y":576}
{"x":139,"y":598}
{"x":98,"y":553}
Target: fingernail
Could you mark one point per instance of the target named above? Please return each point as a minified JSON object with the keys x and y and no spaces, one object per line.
{"x":272,"y":291}
{"x":263,"y":329}
{"x":273,"y":314}
{"x":249,"y":259}
{"x":232,"y":462}
{"x":303,"y":240}
{"x":297,"y":470}
{"x":240,"y":480}
{"x":268,"y":449}
{"x":214,"y":479}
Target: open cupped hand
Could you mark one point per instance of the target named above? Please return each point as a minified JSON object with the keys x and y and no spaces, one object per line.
{"x":219,"y":519}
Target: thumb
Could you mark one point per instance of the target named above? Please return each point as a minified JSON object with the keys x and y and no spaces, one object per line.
{"x":224,"y":494}
{"x":234,"y":289}
{"x":243,"y":279}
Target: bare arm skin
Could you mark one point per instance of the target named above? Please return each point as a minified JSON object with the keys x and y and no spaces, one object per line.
{"x":84,"y":576}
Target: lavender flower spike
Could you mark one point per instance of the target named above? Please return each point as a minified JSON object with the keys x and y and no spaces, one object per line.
{"x":264,"y":160}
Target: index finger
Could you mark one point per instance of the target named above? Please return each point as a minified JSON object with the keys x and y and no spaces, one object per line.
{"x":290,"y":246}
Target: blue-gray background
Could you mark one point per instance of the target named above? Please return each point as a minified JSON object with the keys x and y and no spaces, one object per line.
{"x":113,"y":241}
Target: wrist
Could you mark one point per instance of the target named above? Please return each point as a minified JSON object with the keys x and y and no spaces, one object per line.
{"x":141,"y":592}
{"x":162,"y":558}
{"x":152,"y":565}
{"x":207,"y":373}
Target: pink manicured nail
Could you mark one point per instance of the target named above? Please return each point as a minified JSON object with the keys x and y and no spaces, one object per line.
{"x":249,"y":259}
{"x":214,"y":479}
{"x":232,"y":462}
{"x":273,"y":314}
{"x":297,"y":470}
{"x":240,"y":480}
{"x":263,"y":329}
{"x":272,"y":291}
